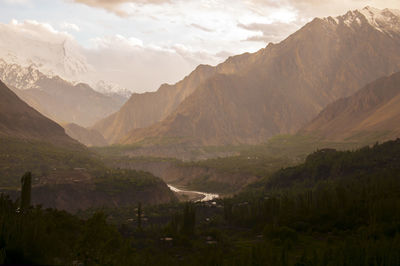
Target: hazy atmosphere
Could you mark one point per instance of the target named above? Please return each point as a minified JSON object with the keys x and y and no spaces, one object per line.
{"x":200,"y":132}
{"x":140,"y":45}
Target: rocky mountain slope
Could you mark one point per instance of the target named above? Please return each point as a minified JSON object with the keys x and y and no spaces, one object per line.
{"x":251,"y":97}
{"x":145,"y":109}
{"x":19,"y":120}
{"x":373,"y":113}
{"x":59,"y":99}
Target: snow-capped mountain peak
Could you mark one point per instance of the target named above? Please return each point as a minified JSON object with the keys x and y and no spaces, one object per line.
{"x":21,"y":43}
{"x":110,"y":88}
{"x":383,"y":20}
{"x":18,"y":76}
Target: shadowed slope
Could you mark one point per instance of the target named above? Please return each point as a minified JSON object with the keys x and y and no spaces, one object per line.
{"x":373,"y":112}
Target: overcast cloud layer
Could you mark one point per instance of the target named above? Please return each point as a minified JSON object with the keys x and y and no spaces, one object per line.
{"x":141,"y":44}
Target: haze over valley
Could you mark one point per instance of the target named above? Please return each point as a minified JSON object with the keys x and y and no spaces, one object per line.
{"x":200,"y":132}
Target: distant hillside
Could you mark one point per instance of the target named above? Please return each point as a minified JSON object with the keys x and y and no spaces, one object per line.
{"x":88,"y":137}
{"x":371,"y":114}
{"x":253,"y":97}
{"x":57,"y":98}
{"x":148,"y":108}
{"x":19,"y":120}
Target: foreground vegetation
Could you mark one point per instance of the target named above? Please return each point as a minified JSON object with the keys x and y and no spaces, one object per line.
{"x":337,"y":208}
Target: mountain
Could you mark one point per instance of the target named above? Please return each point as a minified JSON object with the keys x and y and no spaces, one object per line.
{"x":66,"y":175}
{"x":252,"y":97}
{"x":57,"y":98}
{"x":19,"y":120}
{"x":31,"y":44}
{"x":21,"y":44}
{"x":142,"y":110}
{"x":373,"y":113}
{"x":88,"y":137}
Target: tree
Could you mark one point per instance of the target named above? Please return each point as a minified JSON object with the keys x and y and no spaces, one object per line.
{"x":26,"y":188}
{"x":139,"y":216}
{"x":189,"y":219}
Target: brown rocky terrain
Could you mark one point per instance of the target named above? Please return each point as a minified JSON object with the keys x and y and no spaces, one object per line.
{"x":277,"y":90}
{"x":145,"y":109}
{"x":371,"y":114}
{"x":19,"y":120}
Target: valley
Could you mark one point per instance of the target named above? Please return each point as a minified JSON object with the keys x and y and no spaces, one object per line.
{"x":285,"y":155}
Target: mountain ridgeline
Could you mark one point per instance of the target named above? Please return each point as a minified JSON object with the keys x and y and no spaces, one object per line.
{"x":277,"y":90}
{"x":57,"y":98}
{"x":19,"y":120}
{"x":371,"y":114}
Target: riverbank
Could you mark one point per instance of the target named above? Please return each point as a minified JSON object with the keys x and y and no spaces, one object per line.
{"x":196,"y":196}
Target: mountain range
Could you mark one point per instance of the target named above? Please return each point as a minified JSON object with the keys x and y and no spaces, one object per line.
{"x":57,"y":98}
{"x":277,"y":90}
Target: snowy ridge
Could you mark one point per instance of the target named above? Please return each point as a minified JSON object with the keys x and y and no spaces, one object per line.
{"x":28,"y":52}
{"x":383,"y":20}
{"x":20,"y":77}
{"x":110,"y":88}
{"x":386,"y":20}
{"x":59,"y":56}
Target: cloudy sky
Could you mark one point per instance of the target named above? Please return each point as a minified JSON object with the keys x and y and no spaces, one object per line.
{"x":143,"y":43}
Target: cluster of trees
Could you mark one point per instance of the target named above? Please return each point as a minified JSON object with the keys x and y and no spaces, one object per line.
{"x":18,"y":156}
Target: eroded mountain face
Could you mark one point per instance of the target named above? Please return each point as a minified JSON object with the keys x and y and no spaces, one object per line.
{"x":373,"y":113}
{"x":277,"y":90}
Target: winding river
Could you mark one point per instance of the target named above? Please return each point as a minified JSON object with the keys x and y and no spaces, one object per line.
{"x":203,"y":196}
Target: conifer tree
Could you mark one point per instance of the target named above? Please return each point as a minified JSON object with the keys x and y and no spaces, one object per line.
{"x":26,"y":187}
{"x":139,"y":216}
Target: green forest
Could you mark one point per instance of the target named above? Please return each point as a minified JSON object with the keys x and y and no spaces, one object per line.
{"x":336,"y":208}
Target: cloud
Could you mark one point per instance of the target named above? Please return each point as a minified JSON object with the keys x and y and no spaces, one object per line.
{"x":32,"y":42}
{"x":37,"y":31}
{"x":201,"y":27}
{"x":124,"y":60}
{"x":138,"y":67}
{"x":272,"y":32}
{"x":16,"y":1}
{"x":116,"y":42}
{"x":116,"y":6}
{"x":70,"y":26}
